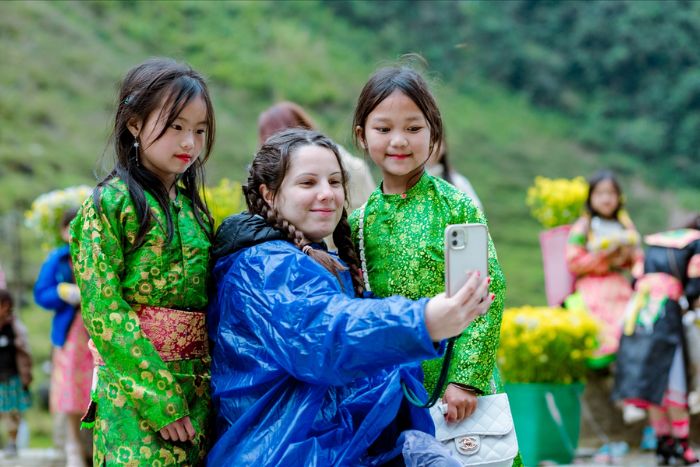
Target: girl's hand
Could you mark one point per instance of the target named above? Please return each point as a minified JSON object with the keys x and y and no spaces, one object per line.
{"x":449,"y":316}
{"x":179,"y":430}
{"x":461,"y":403}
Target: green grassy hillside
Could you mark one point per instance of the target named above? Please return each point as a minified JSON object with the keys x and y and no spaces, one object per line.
{"x":62,"y":62}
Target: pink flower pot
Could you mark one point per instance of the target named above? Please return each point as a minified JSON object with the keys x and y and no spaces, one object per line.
{"x":558,"y":280}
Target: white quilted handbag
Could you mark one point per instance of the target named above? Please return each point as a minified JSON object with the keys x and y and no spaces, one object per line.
{"x":484,"y":439}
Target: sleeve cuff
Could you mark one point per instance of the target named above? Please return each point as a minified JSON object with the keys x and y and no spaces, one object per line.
{"x":467,"y":387}
{"x":165,"y":413}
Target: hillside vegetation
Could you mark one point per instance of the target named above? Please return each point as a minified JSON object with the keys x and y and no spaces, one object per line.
{"x":62,"y":62}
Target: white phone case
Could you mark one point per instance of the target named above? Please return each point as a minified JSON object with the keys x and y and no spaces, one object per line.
{"x":466,"y":249}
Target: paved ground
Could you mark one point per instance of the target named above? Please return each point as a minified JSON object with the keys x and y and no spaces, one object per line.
{"x":633,"y":458}
{"x":50,"y":458}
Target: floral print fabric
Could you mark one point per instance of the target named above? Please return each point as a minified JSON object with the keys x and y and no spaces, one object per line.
{"x":137,"y":392}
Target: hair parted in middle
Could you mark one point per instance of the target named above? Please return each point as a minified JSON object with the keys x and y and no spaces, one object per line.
{"x":269,"y":168}
{"x":382,"y":84}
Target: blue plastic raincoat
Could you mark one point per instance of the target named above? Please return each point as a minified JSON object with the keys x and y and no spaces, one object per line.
{"x":303,"y":374}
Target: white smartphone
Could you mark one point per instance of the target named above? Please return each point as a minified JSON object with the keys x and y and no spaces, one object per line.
{"x":466,"y":249}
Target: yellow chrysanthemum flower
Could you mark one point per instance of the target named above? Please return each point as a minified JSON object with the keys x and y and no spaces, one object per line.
{"x":543,"y":344}
{"x":555,"y":202}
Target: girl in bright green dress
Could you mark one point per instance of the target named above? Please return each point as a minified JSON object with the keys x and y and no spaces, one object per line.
{"x":398,"y":124}
{"x":140,"y":248}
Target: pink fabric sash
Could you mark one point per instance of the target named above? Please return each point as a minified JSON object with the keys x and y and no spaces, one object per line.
{"x":175,"y":334}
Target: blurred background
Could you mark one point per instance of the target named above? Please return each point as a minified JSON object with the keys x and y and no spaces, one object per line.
{"x":526,"y":88}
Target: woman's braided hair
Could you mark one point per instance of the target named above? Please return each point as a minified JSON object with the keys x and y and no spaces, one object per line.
{"x":269,"y":168}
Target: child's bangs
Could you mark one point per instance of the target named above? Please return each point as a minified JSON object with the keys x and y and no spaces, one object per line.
{"x":181,"y":93}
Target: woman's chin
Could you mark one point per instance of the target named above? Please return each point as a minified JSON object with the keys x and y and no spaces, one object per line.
{"x":318,"y":235}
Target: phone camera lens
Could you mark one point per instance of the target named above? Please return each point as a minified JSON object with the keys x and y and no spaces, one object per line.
{"x":454,"y":242}
{"x":454,"y":233}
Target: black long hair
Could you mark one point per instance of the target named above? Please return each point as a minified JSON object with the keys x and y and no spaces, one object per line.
{"x":269,"y":168}
{"x":445,"y":161}
{"x":154,"y":83}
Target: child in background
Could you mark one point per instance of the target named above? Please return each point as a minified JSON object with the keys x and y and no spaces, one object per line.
{"x":400,"y":230}
{"x":603,"y":243}
{"x":439,"y":165}
{"x":71,"y":369}
{"x":15,"y":370}
{"x":140,"y":249}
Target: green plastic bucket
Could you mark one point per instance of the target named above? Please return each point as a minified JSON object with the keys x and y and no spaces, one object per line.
{"x":546,"y":418}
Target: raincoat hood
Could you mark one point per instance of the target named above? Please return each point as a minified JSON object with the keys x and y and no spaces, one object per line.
{"x":241,"y":231}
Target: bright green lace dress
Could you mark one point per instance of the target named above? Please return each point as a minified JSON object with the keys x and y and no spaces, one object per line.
{"x":404,"y":250}
{"x":137,"y":393}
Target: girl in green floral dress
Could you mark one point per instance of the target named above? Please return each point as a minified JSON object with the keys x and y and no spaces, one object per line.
{"x":398,"y":124}
{"x":140,"y":248}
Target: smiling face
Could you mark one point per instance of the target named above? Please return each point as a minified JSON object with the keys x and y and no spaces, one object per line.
{"x":605,"y":199}
{"x":311,"y":196}
{"x":179,"y":147}
{"x":397,"y":137}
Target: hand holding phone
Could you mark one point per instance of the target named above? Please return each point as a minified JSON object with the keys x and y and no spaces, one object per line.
{"x":466,"y":293}
{"x":449,"y":316}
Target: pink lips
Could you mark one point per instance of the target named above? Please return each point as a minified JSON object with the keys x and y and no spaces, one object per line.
{"x":324,"y":212}
{"x":399,"y":156}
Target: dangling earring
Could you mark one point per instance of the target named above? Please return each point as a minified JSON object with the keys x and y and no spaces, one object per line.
{"x":136,"y":154}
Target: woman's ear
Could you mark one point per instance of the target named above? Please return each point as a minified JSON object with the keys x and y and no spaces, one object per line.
{"x":360,"y":135}
{"x":134,"y":127}
{"x":267,"y":194}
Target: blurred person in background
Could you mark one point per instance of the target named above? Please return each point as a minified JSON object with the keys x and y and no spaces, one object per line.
{"x":652,"y":371}
{"x":603,"y":245}
{"x":72,"y":365}
{"x":439,"y":166}
{"x":15,"y":370}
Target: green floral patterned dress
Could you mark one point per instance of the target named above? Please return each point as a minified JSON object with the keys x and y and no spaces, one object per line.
{"x":138,"y":393}
{"x":404,"y":248}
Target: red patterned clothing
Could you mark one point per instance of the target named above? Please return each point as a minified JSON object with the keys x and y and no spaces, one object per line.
{"x":604,"y":289}
{"x":71,"y":376}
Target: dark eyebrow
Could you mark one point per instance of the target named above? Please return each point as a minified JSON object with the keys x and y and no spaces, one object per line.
{"x":384,"y":119}
{"x":203,"y":122}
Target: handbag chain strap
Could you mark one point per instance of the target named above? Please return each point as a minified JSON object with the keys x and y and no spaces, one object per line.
{"x":442,"y":379}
